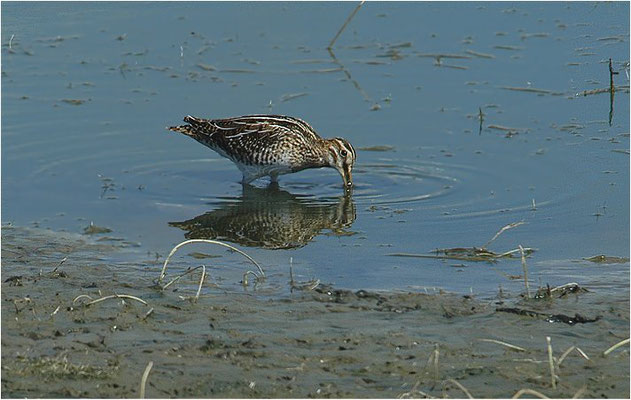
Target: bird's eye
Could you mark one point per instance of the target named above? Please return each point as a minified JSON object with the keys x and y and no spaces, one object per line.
{"x":343,"y":153}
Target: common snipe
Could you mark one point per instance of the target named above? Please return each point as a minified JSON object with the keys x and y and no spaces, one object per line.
{"x":271,"y":145}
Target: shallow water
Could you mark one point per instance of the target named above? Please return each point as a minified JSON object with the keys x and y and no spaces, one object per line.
{"x":87,"y":94}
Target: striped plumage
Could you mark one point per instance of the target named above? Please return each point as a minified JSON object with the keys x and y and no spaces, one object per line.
{"x":271,"y":145}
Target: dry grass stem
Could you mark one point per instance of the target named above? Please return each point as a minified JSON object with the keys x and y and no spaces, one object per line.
{"x":529,"y":391}
{"x":562,"y":287}
{"x":505,"y":228}
{"x":245,"y":277}
{"x":56,"y":311}
{"x":80,"y":297}
{"x":113,"y":296}
{"x":177,"y":278}
{"x":148,"y":313}
{"x":582,"y":353}
{"x":433,"y":360}
{"x":459,"y":386}
{"x":579,"y":392}
{"x":510,"y":346}
{"x":565,"y":354}
{"x":348,"y":20}
{"x":615,"y":346}
{"x":59,"y":265}
{"x":201,"y":282}
{"x":551,"y":363}
{"x":166,"y":262}
{"x":527,"y":250}
{"x":525,"y":268}
{"x":143,"y":381}
{"x":415,"y":391}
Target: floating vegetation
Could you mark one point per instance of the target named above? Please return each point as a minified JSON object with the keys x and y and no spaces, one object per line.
{"x":74,"y":102}
{"x":291,"y":96}
{"x":207,"y":67}
{"x":566,"y":319}
{"x":507,"y":129}
{"x":443,"y":55}
{"x":200,"y":256}
{"x":480,"y":55}
{"x":531,"y":90}
{"x":461,"y":67}
{"x":376,"y":148}
{"x":473,"y":253}
{"x":93,"y":229}
{"x":603,"y":259}
{"x":559,"y":291}
{"x":508,"y":47}
{"x":237,"y":71}
{"x":310,"y":61}
{"x":322,"y":70}
{"x":525,"y":36}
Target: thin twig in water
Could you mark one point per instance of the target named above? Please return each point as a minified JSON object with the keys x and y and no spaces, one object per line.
{"x":529,"y":391}
{"x":11,"y":41}
{"x":464,"y":389}
{"x":525,"y":268}
{"x":505,"y":228}
{"x":615,"y":346}
{"x":164,"y":267}
{"x":510,"y":346}
{"x":551,"y":363}
{"x":348,"y":20}
{"x":143,"y":381}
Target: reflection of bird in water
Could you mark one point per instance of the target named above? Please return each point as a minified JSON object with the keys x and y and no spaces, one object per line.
{"x":271,"y":218}
{"x":271,"y":145}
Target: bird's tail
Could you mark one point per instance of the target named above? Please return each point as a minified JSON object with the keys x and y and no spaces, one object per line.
{"x":188,"y":130}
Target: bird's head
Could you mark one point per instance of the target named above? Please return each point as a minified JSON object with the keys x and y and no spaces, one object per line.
{"x":342,"y":157}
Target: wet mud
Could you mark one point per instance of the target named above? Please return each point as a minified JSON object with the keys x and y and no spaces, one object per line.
{"x":326,"y":342}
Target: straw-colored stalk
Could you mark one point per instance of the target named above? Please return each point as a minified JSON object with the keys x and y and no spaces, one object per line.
{"x":113,"y":296}
{"x":615,"y":346}
{"x":510,"y":346}
{"x":529,"y":391}
{"x":551,"y":363}
{"x":143,"y":381}
{"x":166,"y":262}
{"x":459,"y":386}
{"x":525,"y":268}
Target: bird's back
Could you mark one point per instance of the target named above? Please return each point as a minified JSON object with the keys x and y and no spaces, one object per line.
{"x":258,"y":140}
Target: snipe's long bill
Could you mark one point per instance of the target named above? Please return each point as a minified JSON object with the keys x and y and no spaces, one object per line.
{"x":271,"y":145}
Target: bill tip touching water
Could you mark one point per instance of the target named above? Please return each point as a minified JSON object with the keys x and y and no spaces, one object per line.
{"x":271,"y":145}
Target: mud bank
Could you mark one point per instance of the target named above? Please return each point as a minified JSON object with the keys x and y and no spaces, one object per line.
{"x":323,"y":343}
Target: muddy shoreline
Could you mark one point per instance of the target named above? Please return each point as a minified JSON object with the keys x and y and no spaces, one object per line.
{"x":327,"y":342}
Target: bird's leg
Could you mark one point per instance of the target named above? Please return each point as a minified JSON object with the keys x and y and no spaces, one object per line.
{"x":247,"y":180}
{"x":273,"y":178}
